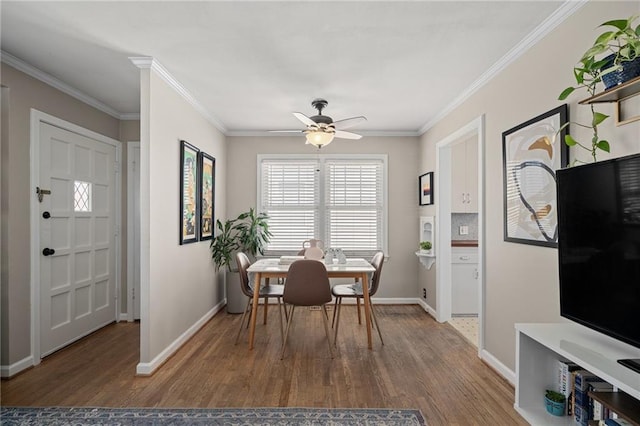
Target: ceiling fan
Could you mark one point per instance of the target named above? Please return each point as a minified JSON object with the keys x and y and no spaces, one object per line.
{"x":321,"y":129}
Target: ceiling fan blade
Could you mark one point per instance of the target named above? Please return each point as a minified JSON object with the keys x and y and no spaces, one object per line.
{"x":306,"y":120}
{"x":286,"y":131}
{"x":346,"y":135}
{"x":349,"y":122}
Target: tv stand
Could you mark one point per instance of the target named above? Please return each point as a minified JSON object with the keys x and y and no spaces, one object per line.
{"x":633,"y":364}
{"x":539,"y":347}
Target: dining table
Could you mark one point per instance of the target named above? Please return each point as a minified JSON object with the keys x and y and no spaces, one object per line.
{"x":268,"y":268}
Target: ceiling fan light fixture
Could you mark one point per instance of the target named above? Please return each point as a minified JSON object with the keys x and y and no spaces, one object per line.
{"x":319,"y":138}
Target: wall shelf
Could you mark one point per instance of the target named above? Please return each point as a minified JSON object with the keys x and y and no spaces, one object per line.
{"x":427,"y":260}
{"x":615,"y":94}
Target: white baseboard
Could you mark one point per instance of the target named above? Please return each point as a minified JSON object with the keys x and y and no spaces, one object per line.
{"x":148,"y":368}
{"x":427,"y":308}
{"x":382,"y":301}
{"x":502,"y":369}
{"x":7,"y":371}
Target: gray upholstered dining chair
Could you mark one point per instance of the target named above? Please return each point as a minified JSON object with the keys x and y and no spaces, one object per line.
{"x":341,"y":291}
{"x":307,"y":284}
{"x":271,"y":290}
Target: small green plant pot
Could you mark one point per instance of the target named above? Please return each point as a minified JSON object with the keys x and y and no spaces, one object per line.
{"x":555,"y":408}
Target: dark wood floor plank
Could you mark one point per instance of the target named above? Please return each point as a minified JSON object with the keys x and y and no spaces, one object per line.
{"x":423,"y":365}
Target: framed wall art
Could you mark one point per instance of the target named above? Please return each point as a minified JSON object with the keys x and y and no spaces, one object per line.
{"x":207,"y":194}
{"x":532,"y":152}
{"x":425,"y":186}
{"x":189,"y":222}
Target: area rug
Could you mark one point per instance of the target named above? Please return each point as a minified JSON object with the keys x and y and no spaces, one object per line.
{"x":59,"y":416}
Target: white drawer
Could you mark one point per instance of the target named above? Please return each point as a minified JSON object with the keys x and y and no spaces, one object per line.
{"x":464,"y":255}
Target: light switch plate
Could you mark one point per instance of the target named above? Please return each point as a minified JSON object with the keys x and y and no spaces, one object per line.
{"x":463,"y":230}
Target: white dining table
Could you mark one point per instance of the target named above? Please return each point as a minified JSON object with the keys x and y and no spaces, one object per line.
{"x":267,"y":268}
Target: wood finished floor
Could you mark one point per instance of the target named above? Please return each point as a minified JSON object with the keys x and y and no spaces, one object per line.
{"x":423,"y":365}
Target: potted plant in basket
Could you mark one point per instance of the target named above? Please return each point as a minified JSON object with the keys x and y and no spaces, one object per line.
{"x":249,"y":233}
{"x":555,"y":402}
{"x":613,"y":59}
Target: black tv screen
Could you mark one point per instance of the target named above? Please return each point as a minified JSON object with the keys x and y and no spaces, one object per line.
{"x":599,"y":246}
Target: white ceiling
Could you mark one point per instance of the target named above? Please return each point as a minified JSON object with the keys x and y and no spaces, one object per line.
{"x":251,"y":64}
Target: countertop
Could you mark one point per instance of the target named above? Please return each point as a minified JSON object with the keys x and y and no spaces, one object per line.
{"x":464,"y":243}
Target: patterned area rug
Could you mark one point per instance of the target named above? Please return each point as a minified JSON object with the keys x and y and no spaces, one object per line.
{"x":58,"y":416}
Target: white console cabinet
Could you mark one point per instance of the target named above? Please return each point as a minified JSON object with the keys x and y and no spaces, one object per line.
{"x":540,"y":346}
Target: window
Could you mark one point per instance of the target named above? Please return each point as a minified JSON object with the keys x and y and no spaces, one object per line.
{"x":81,"y":196}
{"x":338,"y":199}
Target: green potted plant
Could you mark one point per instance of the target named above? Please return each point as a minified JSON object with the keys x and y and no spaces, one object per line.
{"x":249,"y":233}
{"x":555,"y":402}
{"x":615,"y":55}
{"x":425,"y":247}
{"x":253,"y":232}
{"x":224,"y":245}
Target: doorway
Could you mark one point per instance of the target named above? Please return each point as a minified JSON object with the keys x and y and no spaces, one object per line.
{"x":133,"y":231}
{"x":75,"y":271}
{"x":444,"y":273}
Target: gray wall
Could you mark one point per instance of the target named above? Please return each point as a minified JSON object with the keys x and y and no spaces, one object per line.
{"x":400,"y":271}
{"x":522,"y":280}
{"x":179,"y":285}
{"x":25,"y":93}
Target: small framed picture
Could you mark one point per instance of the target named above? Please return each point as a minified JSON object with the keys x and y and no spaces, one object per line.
{"x":188,"y":193}
{"x":207,"y":194}
{"x":425,"y":187}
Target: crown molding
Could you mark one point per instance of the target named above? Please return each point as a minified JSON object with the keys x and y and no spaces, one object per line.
{"x":146,"y":62}
{"x":52,"y":81}
{"x":130,"y":116}
{"x":266,"y":133}
{"x":567,"y":9}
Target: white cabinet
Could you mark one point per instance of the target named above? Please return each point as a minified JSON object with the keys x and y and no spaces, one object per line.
{"x":464,"y":182}
{"x":540,"y":346}
{"x":464,"y":281}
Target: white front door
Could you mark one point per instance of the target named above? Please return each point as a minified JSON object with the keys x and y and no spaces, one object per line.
{"x":77,"y":236}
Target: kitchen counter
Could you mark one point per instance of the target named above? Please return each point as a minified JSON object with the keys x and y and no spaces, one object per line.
{"x":464,"y":243}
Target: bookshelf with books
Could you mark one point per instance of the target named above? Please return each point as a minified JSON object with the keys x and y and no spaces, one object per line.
{"x":542,"y":349}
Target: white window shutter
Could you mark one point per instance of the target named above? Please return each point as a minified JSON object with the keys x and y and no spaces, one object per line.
{"x":340,"y":200}
{"x":290,"y":199}
{"x":354,"y":205}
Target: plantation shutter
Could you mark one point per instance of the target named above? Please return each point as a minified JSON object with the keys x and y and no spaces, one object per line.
{"x":340,"y":200}
{"x":289,"y":192}
{"x":354,"y":206}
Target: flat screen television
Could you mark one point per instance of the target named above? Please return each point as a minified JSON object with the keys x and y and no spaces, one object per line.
{"x":599,"y":247}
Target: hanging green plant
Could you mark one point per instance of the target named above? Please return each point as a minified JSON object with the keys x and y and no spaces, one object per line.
{"x":621,"y":45}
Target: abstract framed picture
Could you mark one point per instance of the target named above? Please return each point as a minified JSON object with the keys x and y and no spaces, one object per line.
{"x":207,"y":194}
{"x":531,"y":154}
{"x":189,"y":223}
{"x":425,"y":187}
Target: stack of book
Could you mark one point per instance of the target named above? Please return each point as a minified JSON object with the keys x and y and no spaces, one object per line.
{"x":288,"y":260}
{"x":577,"y":385}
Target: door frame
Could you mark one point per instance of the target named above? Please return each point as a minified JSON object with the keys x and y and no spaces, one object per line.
{"x":131,"y":227}
{"x":443,"y":224}
{"x":37,"y":118}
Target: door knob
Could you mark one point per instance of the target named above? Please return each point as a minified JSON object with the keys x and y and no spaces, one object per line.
{"x":48,"y":252}
{"x":46,"y":215}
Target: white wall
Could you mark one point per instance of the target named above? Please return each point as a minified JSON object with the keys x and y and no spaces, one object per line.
{"x":178,"y":282}
{"x":399,"y":275}
{"x":522,"y":280}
